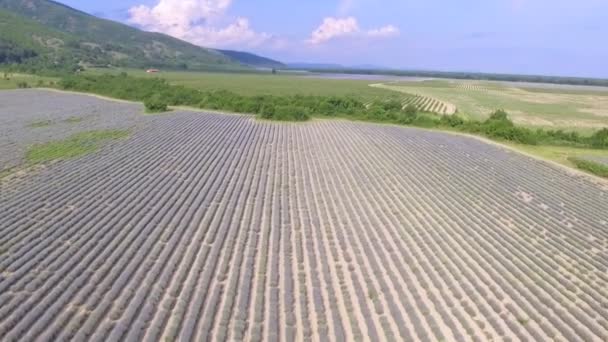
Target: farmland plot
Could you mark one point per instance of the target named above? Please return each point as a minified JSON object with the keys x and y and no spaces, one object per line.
{"x":422,"y":102}
{"x":429,"y":104}
{"x":35,"y":116}
{"x":471,"y":86}
{"x":214,"y":227}
{"x":580,"y":109}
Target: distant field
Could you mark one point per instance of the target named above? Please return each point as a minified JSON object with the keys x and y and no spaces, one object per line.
{"x":579,"y":108}
{"x":11,"y":81}
{"x":569,"y":108}
{"x":251,"y":84}
{"x":269,"y":84}
{"x":561,"y":154}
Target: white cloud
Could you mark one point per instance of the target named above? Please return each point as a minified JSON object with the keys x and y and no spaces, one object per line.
{"x":197,"y":21}
{"x":386,"y":31}
{"x":334,"y":28}
{"x":236,"y":34}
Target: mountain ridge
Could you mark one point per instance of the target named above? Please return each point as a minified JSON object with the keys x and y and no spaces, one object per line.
{"x":251,"y":59}
{"x":95,"y":41}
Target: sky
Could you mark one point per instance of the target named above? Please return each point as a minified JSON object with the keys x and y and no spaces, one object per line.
{"x":550,"y":37}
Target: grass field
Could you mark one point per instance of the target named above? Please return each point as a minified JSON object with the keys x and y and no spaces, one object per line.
{"x":267,"y":84}
{"x":560,"y":154}
{"x":579,"y":109}
{"x":75,"y":146}
{"x":12,"y":80}
{"x":591,"y":166}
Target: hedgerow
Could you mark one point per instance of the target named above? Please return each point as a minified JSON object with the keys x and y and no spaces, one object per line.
{"x":155,"y":104}
{"x":295,"y":108}
{"x":590,"y":166}
{"x":157,"y":94}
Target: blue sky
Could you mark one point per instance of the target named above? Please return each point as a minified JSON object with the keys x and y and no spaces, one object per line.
{"x":559,"y":37}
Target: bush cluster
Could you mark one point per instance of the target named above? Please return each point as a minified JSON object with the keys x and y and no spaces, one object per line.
{"x":157,"y":94}
{"x":599,"y":139}
{"x":159,"y":91}
{"x":499,"y":126}
{"x":155,"y":104}
{"x":590,"y":166}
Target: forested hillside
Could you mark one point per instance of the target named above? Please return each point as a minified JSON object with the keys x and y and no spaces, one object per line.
{"x":44,"y":33}
{"x":31,"y":44}
{"x":253,"y":60}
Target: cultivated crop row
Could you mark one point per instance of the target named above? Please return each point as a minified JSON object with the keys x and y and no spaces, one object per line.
{"x":31,"y":117}
{"x":422,"y":103}
{"x":218,"y":227}
{"x":471,"y":87}
{"x":429,"y":104}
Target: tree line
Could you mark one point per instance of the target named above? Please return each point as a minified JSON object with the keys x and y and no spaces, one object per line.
{"x":157,"y":95}
{"x":587,"y":81}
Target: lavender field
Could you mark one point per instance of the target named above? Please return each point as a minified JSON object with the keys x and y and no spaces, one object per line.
{"x":221,"y":227}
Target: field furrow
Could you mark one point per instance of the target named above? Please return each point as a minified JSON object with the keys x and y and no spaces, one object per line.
{"x":220,"y":227}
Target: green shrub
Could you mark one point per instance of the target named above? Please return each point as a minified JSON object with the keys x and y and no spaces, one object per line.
{"x":561,"y":138}
{"x":291,"y":113}
{"x":499,"y":115}
{"x":155,"y":104}
{"x":453,"y":121}
{"x":425,"y":121}
{"x":599,"y":139}
{"x":499,"y":126}
{"x":407,"y":117}
{"x":74,"y":146}
{"x":22,"y":85}
{"x":375,"y":113}
{"x":510,"y":132}
{"x":393,"y":105}
{"x":590,"y":166}
{"x":410,"y":110}
{"x":267,"y":112}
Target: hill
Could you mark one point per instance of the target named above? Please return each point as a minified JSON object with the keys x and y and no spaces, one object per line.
{"x":250,"y":59}
{"x":22,"y":40}
{"x":55,"y":32}
{"x":306,"y":66}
